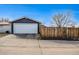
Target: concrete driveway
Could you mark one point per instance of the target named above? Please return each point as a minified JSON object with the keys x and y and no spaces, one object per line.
{"x":20,"y":45}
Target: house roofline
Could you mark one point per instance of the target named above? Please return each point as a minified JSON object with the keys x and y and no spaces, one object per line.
{"x":35,"y":21}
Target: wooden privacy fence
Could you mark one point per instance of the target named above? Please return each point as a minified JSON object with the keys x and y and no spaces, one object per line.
{"x":59,"y":33}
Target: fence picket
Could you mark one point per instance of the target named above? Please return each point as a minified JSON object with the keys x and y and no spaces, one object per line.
{"x":55,"y":32}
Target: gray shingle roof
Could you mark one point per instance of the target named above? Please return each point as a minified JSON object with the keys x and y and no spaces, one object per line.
{"x":24,"y":20}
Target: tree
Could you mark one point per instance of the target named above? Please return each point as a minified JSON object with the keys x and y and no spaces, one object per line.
{"x":4,"y":20}
{"x":62,"y":19}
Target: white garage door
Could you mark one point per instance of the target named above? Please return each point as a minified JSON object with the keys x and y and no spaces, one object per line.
{"x":25,"y":28}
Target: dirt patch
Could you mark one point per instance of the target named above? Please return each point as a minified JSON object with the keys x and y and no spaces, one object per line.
{"x":2,"y":35}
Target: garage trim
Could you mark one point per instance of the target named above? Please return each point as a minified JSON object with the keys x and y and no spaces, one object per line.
{"x":24,"y":20}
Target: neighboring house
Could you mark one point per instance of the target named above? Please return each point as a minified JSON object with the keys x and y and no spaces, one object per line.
{"x":25,"y":26}
{"x":5,"y":26}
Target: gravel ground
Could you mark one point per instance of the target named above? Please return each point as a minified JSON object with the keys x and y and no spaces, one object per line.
{"x":17,"y":45}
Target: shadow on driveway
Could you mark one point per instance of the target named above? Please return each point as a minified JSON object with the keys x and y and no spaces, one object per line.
{"x":25,"y":36}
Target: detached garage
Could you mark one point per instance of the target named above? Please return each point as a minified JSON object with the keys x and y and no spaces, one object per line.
{"x":25,"y":26}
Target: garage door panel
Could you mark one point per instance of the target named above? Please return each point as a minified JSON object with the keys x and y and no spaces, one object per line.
{"x":25,"y":28}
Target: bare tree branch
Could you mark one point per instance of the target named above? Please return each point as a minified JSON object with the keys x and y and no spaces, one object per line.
{"x":62,"y":19}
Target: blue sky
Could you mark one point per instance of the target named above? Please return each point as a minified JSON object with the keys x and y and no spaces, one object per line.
{"x":39,"y":12}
